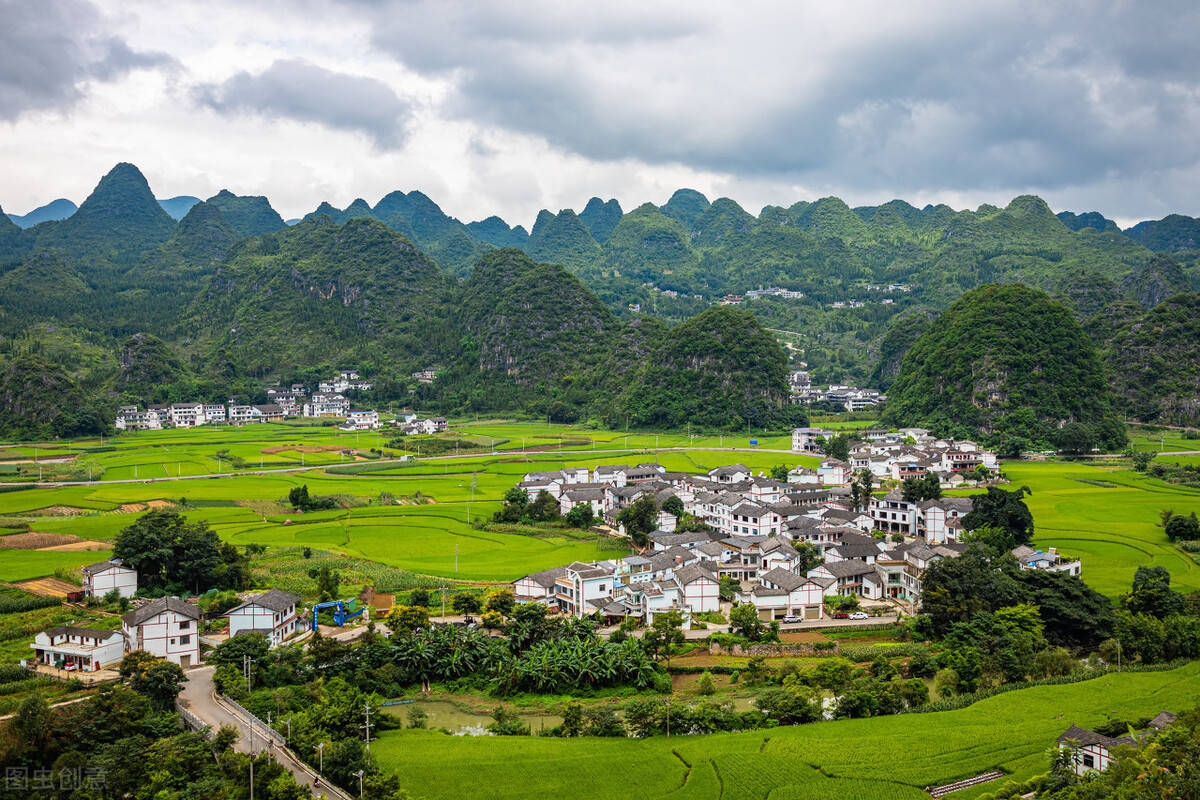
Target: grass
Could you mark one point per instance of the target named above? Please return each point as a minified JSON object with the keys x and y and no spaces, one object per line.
{"x":1113,"y":528}
{"x":21,"y":565}
{"x":884,"y":758}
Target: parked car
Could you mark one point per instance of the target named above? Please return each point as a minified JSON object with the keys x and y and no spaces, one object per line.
{"x":860,"y":615}
{"x":841,"y":615}
{"x":790,"y":618}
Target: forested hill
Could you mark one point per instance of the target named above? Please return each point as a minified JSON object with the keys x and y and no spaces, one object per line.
{"x":563,"y":318}
{"x":1008,"y":363}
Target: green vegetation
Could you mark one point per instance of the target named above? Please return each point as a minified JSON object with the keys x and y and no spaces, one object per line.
{"x":1006,"y":362}
{"x":891,"y":757}
{"x":1154,"y":359}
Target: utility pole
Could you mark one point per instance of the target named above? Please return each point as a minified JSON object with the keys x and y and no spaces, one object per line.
{"x":443,"y":602}
{"x":367,"y":726}
{"x":320,"y":759}
{"x":246,"y":662}
{"x":456,"y":559}
{"x":668,"y":718}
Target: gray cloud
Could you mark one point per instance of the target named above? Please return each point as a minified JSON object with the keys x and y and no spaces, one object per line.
{"x":899,"y":97}
{"x":50,"y":48}
{"x":302,"y":91}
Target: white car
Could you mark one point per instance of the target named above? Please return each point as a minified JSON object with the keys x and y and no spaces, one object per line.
{"x":788,"y":620}
{"x":860,"y":615}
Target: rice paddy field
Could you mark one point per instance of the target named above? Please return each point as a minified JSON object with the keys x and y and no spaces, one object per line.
{"x":1108,"y":517}
{"x":882,"y":758}
{"x":418,"y":516}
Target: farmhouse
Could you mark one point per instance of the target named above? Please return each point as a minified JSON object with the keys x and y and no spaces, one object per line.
{"x":83,"y":649}
{"x":271,"y":614}
{"x":1094,"y":752}
{"x":107,"y":576}
{"x":166,"y":628}
{"x":1046,"y":560}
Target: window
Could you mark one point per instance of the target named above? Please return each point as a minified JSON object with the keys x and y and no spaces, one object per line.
{"x":1088,"y":761}
{"x":185,"y":624}
{"x":185,"y":639}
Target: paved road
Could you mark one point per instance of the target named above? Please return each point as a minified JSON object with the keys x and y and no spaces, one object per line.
{"x":198,"y":698}
{"x":409,"y":460}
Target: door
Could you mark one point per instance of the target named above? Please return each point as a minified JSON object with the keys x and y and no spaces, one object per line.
{"x":185,"y":661}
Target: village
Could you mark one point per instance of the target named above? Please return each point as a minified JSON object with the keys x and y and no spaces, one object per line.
{"x":328,"y":402}
{"x":785,"y":546}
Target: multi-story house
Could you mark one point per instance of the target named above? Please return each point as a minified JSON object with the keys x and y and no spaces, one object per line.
{"x":107,"y":576}
{"x":271,"y":614}
{"x":166,"y":628}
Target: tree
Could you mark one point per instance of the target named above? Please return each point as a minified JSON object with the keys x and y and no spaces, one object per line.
{"x":1141,"y":460}
{"x":730,"y":586}
{"x":744,"y":621}
{"x":838,"y":447}
{"x":927,"y":487}
{"x":465,"y":603}
{"x":407,"y":619}
{"x":1180,"y":528}
{"x":234,"y":651}
{"x":500,"y":601}
{"x":1074,"y":438}
{"x":31,"y":725}
{"x":580,"y":516}
{"x":967,"y":666}
{"x":1152,"y":594}
{"x":809,"y":557}
{"x":706,"y":685}
{"x":544,"y":508}
{"x":418,"y":597}
{"x":158,"y":680}
{"x":328,"y":581}
{"x":639,"y":519}
{"x":860,"y":489}
{"x":997,"y":541}
{"x":1002,"y":509}
{"x":169,"y":552}
{"x":779,"y":472}
{"x":674,"y":506}
{"x":665,"y":632}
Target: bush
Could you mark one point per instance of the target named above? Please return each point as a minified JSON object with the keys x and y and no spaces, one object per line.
{"x":706,"y":686}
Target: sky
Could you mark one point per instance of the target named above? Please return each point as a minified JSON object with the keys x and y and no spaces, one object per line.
{"x":510,"y":107}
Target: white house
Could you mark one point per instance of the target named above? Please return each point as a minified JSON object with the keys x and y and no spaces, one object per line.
{"x":244,"y":415}
{"x":102,"y":578}
{"x":538,"y":587}
{"x":893,"y":514}
{"x":1093,"y":752}
{"x":326,"y":405}
{"x":583,"y":589}
{"x":804,"y":440}
{"x":187,"y":415}
{"x":833,"y":472}
{"x":734,"y":473}
{"x":83,"y":649}
{"x":1047,"y":560}
{"x":166,"y":628}
{"x":215,"y":412}
{"x":701,"y":591}
{"x":782,"y":593}
{"x":272,"y":614}
{"x":362,"y":420}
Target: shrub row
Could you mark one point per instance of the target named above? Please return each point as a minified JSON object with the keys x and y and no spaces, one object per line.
{"x":15,"y":605}
{"x":1079,"y":675}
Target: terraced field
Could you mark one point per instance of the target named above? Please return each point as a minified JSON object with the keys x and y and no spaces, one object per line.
{"x":1109,"y":518}
{"x":884,"y":758}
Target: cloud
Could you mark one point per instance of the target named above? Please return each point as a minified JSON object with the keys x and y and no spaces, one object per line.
{"x":298,"y":90}
{"x":886,"y":95}
{"x":50,"y":48}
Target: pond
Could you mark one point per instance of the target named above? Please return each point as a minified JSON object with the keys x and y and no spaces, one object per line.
{"x":443,"y":714}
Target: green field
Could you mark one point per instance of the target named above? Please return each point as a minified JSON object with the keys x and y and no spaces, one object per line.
{"x":1103,"y":514}
{"x":1162,"y":441}
{"x":1108,"y":518}
{"x":889,"y":758}
{"x":21,"y":565}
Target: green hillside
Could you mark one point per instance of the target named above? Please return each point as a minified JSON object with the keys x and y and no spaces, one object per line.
{"x":1005,"y":361}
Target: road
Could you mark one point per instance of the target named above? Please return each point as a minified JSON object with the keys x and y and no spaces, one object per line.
{"x":409,"y":460}
{"x":199,"y":699}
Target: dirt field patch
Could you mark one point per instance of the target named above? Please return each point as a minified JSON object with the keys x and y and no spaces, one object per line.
{"x":82,"y":544}
{"x":47,"y":587}
{"x":59,"y":511}
{"x":303,"y":448}
{"x":37,"y":541}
